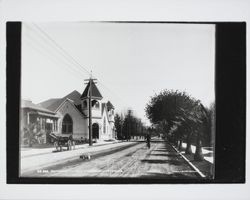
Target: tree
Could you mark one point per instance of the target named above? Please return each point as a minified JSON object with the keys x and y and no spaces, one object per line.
{"x":181,"y":117}
{"x":128,"y":126}
{"x":31,"y":133}
{"x":118,"y":125}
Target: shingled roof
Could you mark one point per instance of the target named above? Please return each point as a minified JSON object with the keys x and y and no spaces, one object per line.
{"x":95,"y":92}
{"x":29,"y":104}
{"x":74,"y":96}
{"x":48,"y":102}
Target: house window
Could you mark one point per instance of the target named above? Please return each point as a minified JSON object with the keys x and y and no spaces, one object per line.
{"x":55,"y":125}
{"x":67,"y":124}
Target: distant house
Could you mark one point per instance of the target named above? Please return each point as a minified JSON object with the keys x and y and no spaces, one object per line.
{"x":71,"y":116}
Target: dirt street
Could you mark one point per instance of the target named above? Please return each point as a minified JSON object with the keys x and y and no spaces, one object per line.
{"x":160,"y":161}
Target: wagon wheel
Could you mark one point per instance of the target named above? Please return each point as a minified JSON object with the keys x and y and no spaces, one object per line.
{"x":56,"y":145}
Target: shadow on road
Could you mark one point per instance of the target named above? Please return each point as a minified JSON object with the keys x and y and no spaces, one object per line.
{"x":165,"y":154}
{"x":155,"y":161}
{"x":161,"y":150}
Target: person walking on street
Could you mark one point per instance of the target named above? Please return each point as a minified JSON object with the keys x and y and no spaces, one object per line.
{"x":148,"y":140}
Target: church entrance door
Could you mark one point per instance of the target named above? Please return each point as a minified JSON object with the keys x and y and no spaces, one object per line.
{"x":95,"y":129}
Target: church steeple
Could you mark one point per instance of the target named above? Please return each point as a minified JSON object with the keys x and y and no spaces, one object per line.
{"x":95,"y":92}
{"x":96,"y":97}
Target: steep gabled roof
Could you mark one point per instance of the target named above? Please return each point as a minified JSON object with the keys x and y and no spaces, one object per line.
{"x":73,"y":104}
{"x":95,"y":92}
{"x":74,"y":96}
{"x":104,"y":107}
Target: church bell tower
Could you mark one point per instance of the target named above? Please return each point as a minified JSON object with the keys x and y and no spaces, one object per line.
{"x":96,"y":98}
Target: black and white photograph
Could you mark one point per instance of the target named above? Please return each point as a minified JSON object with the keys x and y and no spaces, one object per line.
{"x":124,"y":99}
{"x":117,"y":100}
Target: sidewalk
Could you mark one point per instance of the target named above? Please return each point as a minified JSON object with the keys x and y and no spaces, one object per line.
{"x":208,"y":154}
{"x":35,"y":161}
{"x":206,"y":166}
{"x":26,"y":152}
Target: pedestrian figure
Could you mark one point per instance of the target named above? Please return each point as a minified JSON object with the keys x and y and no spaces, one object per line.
{"x":148,"y":140}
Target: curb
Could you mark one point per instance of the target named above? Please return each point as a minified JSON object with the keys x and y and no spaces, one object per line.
{"x":190,"y":164}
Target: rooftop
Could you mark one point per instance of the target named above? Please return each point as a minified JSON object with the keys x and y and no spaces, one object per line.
{"x":29,"y":104}
{"x":95,"y":92}
{"x":53,"y":104}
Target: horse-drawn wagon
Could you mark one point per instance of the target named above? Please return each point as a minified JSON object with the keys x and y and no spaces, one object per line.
{"x":63,"y":140}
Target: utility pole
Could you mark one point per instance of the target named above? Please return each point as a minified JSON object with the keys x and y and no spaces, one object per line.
{"x":90,"y":108}
{"x":90,"y":112}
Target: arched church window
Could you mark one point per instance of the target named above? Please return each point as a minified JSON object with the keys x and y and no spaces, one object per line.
{"x":95,"y":104}
{"x":67,"y":124}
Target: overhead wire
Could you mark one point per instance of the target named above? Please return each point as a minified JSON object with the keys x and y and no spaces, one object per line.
{"x":71,"y":59}
{"x":39,"y":48}
{"x":48,"y":44}
{"x":63,"y":50}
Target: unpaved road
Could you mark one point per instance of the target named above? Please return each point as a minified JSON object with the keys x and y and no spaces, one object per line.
{"x":160,"y":161}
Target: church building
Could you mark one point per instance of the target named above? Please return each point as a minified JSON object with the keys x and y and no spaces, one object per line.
{"x":71,"y":115}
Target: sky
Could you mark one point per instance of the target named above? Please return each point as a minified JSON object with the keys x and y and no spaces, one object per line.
{"x":131,"y":61}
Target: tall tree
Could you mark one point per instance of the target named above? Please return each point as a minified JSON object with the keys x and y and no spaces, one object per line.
{"x":180,"y":115}
{"x":129,"y":125}
{"x":118,"y":125}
